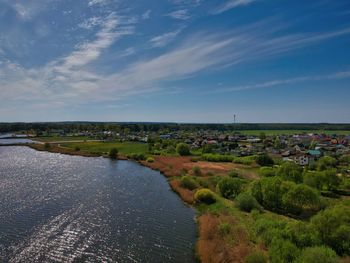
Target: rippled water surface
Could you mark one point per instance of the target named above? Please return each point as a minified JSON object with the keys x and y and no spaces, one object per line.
{"x":59,"y":208}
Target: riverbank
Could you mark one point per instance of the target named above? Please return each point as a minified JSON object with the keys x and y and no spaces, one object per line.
{"x":212,"y":245}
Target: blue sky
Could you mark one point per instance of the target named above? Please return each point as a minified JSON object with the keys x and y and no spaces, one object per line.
{"x":175,"y":60}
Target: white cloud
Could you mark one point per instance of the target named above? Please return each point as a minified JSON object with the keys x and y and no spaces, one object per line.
{"x":181,"y":14}
{"x":146,"y":15}
{"x":232,"y":4}
{"x":91,"y":22}
{"x":165,"y":39}
{"x":71,"y":79}
{"x":97,"y":2}
{"x":281,"y":82}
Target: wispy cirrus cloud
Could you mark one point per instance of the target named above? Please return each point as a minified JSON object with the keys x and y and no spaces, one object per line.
{"x":69,"y":79}
{"x":281,"y":82}
{"x":230,"y":5}
{"x":165,"y":39}
{"x":181,"y":14}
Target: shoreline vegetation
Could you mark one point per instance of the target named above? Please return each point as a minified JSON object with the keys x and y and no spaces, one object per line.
{"x":246,"y":212}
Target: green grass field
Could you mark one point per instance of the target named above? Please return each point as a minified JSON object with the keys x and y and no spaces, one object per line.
{"x":61,"y":139}
{"x":104,"y":147}
{"x":291,"y":132}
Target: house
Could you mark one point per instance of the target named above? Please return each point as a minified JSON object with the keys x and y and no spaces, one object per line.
{"x":315,"y":153}
{"x":302,"y":159}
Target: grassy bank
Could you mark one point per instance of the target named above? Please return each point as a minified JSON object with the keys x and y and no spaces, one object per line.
{"x":124,"y":148}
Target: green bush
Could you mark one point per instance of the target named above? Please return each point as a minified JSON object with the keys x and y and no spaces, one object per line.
{"x":188,"y":182}
{"x":233,"y":174}
{"x":197,"y":171}
{"x":326,"y":162}
{"x":183,"y":149}
{"x":247,"y":160}
{"x":137,"y":156}
{"x":299,"y":198}
{"x":320,"y":254}
{"x":113,"y":153}
{"x":333,"y":226}
{"x":230,"y":187}
{"x":291,"y":172}
{"x":77,"y":149}
{"x":264,"y":160}
{"x":302,"y":234}
{"x":267,"y":171}
{"x":247,"y":202}
{"x":205,"y":196}
{"x":217,"y":157}
{"x":150,"y":160}
{"x":283,"y":251}
{"x":255,"y":257}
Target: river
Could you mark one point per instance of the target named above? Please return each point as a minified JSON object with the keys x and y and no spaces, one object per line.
{"x":59,"y":208}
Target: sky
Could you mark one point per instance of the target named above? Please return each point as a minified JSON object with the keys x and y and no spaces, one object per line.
{"x":175,"y":60}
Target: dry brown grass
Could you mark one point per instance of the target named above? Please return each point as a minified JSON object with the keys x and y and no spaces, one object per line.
{"x":185,"y":194}
{"x":212,"y":246}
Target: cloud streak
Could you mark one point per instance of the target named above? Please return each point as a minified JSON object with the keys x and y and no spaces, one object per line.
{"x":71,"y":79}
{"x":281,"y":82}
{"x":230,"y":5}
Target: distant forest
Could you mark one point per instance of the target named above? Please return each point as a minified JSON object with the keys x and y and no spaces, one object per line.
{"x":170,"y":127}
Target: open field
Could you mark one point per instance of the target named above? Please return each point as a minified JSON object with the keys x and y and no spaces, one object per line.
{"x":291,"y":132}
{"x":104,"y":147}
{"x":61,"y":139}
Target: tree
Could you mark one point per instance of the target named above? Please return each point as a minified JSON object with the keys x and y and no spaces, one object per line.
{"x":283,"y":251}
{"x":319,"y":254}
{"x":300,"y":197}
{"x":326,"y":162}
{"x":113,"y":153}
{"x":291,"y":171}
{"x":230,"y":187}
{"x":264,"y":160}
{"x":333,"y":226}
{"x":277,"y":143}
{"x":302,"y":234}
{"x":183,"y":149}
{"x":330,"y":180}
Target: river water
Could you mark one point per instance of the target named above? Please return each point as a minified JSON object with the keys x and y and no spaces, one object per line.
{"x":59,"y":208}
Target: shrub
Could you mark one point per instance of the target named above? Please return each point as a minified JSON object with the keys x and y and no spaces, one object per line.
{"x":247,"y":202}
{"x":283,"y":251}
{"x":113,"y":153}
{"x":218,"y":157}
{"x":150,"y":160}
{"x":320,"y":254}
{"x":205,"y":196}
{"x":300,"y":197}
{"x":188,"y":182}
{"x":183,"y":149}
{"x":302,"y":234}
{"x":256,"y":257}
{"x":77,"y":149}
{"x":264,"y":160}
{"x":224,"y":229}
{"x":333,"y":226}
{"x":230,"y":187}
{"x":291,"y":171}
{"x":137,"y":156}
{"x":247,"y":160}
{"x":326,"y":162}
{"x":267,"y":171}
{"x":197,"y":171}
{"x":233,"y":174}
